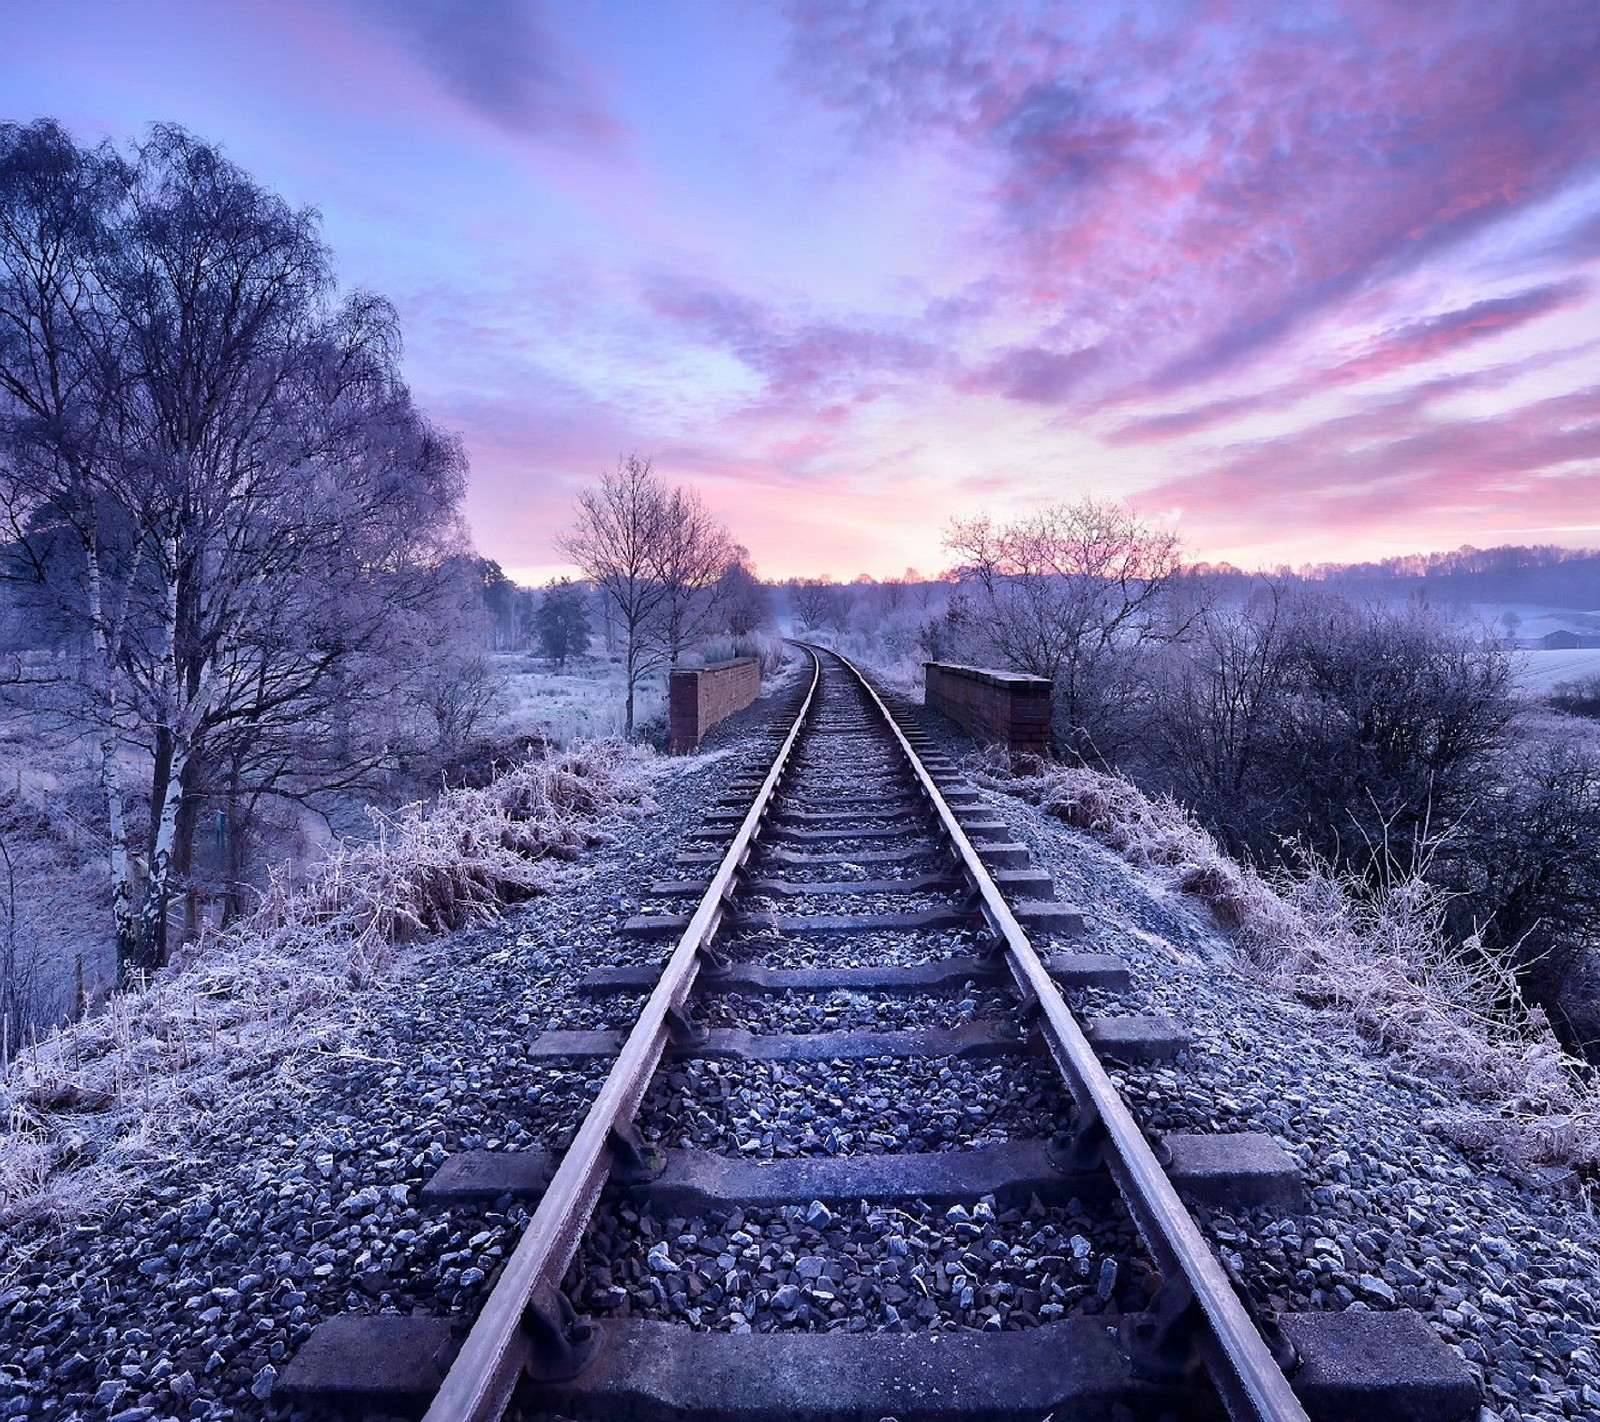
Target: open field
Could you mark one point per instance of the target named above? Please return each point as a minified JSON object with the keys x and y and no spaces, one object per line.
{"x":1540,"y":672}
{"x":582,"y":701}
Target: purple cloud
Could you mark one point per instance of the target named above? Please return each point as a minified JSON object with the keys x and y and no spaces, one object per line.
{"x":800,"y":359}
{"x":1424,"y":340}
{"x":1409,"y":344}
{"x":499,"y":58}
{"x":1203,"y":417}
{"x":1036,"y":375}
{"x":1202,"y":189}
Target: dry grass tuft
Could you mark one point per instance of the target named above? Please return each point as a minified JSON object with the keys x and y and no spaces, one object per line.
{"x":1378,"y":957}
{"x":85,"y":1111}
{"x":432,"y":870}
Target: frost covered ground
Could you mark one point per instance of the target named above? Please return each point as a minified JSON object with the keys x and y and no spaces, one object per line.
{"x":292,"y":1193}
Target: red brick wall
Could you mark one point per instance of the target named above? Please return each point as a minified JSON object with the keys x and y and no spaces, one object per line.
{"x":1007,"y":707}
{"x":700,"y":697}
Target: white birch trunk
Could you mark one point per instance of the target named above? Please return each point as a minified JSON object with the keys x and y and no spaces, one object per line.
{"x":105,"y":697}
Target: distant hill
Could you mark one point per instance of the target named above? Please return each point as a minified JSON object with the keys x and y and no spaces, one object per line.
{"x":1538,"y":576}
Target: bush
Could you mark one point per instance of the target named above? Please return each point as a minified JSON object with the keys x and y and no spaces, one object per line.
{"x":1356,"y":733}
{"x":1577,"y":698}
{"x":1524,"y":870}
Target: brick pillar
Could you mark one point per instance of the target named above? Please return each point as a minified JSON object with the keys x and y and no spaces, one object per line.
{"x":699,"y":697}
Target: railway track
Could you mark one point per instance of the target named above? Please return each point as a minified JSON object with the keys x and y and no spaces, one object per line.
{"x":854,"y":921}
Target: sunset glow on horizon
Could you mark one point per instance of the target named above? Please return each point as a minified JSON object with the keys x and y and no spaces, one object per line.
{"x":1304,"y":283}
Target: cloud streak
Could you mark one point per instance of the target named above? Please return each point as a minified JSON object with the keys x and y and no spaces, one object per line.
{"x":499,"y":58}
{"x":1417,"y":342}
{"x":1393,"y":468}
{"x":1203,"y":189}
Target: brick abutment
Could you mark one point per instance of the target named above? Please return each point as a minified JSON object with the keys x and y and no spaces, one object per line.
{"x":699,"y":697}
{"x":1006,"y":707}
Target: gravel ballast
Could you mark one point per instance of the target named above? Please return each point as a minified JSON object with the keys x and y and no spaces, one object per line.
{"x":188,"y":1299}
{"x":896,"y":1269}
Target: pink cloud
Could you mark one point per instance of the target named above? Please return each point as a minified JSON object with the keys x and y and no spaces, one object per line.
{"x":1199,"y":189}
{"x":1391,"y":468}
{"x":1412,"y":343}
{"x":1423,"y":340}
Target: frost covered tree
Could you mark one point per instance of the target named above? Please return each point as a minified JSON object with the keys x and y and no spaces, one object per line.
{"x":562,"y":621}
{"x":617,"y":542}
{"x":820,"y":603}
{"x":655,"y":555}
{"x":695,"y":551}
{"x":744,"y":602}
{"x":210,"y":466}
{"x":1065,"y":593}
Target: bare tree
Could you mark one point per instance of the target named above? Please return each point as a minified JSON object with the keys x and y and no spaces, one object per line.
{"x":694,"y":552}
{"x":617,"y":542}
{"x":212,"y":470}
{"x":657,"y":557}
{"x":17,"y":973}
{"x":59,"y":377}
{"x":1524,"y":869}
{"x":1065,"y":593}
{"x":1389,"y":722}
{"x":1221,"y":704}
{"x":743,"y":601}
{"x":820,"y":603}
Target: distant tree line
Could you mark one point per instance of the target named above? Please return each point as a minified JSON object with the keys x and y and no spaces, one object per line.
{"x":1537,"y":574}
{"x":1352,"y":714}
{"x":222,"y":510}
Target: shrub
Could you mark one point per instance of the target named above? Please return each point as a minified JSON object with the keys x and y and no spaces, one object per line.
{"x":1577,"y":698}
{"x":1301,"y":719}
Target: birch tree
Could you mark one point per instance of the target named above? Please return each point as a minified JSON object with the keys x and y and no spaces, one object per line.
{"x":60,"y":425}
{"x":617,"y":542}
{"x":209,"y":462}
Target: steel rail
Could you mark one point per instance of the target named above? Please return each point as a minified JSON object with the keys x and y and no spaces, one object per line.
{"x":480,"y":1382}
{"x":1249,"y":1381}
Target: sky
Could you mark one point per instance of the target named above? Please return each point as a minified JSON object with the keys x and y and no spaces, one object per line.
{"x":1302,"y":282}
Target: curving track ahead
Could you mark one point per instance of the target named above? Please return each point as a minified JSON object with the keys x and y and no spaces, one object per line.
{"x":853,"y":813}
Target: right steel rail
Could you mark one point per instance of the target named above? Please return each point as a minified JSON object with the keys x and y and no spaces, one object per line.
{"x":1248,"y":1379}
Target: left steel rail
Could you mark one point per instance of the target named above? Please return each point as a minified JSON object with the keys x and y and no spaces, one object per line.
{"x":496,"y":1351}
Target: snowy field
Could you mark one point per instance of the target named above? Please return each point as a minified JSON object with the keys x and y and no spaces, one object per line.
{"x":1539,"y":672}
{"x":582,"y":701}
